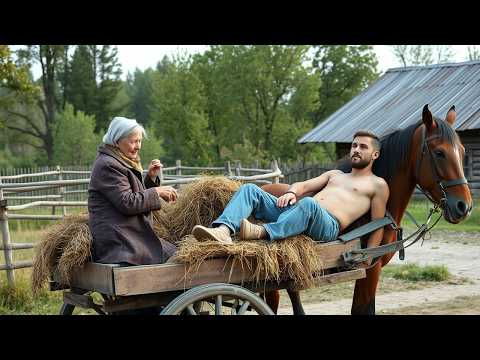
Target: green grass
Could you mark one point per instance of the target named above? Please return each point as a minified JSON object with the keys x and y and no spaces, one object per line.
{"x":414,"y":272}
{"x":419,"y":209}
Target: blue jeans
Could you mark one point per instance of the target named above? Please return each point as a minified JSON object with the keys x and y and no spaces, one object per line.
{"x":306,"y":216}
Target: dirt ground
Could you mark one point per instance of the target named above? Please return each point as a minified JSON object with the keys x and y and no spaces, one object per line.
{"x":459,"y":252}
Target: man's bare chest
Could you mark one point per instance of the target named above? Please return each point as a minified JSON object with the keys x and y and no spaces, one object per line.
{"x":353,"y":185}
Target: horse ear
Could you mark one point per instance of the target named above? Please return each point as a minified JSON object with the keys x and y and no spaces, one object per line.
{"x":427,"y":119}
{"x":451,"y":115}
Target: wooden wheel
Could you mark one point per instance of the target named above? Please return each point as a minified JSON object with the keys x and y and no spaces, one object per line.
{"x":217,"y":299}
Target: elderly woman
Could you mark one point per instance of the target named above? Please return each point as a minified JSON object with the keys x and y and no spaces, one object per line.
{"x":120,"y":200}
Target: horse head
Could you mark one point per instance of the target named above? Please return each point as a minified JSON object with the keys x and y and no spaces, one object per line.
{"x":439,"y":165}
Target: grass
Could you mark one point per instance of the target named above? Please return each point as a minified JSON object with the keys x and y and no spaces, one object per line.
{"x":414,"y":272}
{"x":419,"y":209}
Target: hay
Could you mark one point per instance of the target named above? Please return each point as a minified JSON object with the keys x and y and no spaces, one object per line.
{"x":293,"y":258}
{"x":65,"y":246}
{"x":198,"y":203}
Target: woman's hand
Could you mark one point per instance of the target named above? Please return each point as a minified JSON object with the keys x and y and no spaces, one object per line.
{"x":154,"y":168}
{"x":167,"y":193}
{"x":286,"y":199}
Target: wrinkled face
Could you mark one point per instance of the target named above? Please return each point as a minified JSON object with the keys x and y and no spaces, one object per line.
{"x":362,"y":152}
{"x":131,"y":144}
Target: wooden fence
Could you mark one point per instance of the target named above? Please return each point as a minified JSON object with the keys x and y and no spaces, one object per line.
{"x":60,"y":188}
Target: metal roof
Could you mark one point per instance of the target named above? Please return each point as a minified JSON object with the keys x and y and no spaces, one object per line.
{"x":396,"y":99}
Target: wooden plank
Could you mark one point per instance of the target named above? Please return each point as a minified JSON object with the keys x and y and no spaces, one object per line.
{"x":148,"y":279}
{"x":93,"y":276}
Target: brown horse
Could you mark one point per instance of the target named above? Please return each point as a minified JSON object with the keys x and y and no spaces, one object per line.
{"x":428,"y":154}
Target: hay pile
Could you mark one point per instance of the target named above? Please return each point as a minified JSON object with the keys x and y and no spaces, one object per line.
{"x":292,"y":258}
{"x":67,"y":244}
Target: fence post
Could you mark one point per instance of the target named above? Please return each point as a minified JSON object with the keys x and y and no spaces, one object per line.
{"x":228,"y":169}
{"x":275,"y":167}
{"x":6,"y":238}
{"x":178,"y":165}
{"x":62,"y":191}
{"x":238,"y":165}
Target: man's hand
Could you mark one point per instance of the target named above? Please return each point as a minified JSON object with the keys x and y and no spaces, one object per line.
{"x":286,"y":199}
{"x":154,"y":168}
{"x":167,"y":193}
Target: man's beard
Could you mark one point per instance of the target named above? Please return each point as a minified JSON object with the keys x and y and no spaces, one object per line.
{"x":362,"y":164}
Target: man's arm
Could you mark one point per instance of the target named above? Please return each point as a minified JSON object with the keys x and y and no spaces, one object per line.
{"x":304,"y":187}
{"x":378,"y":210}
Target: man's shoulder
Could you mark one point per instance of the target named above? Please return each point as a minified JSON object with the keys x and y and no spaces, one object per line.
{"x":380,"y":182}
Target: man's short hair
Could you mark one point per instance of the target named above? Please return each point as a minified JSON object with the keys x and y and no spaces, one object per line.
{"x":375,"y":139}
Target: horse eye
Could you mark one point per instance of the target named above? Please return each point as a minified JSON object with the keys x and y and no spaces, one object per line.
{"x":440,"y":154}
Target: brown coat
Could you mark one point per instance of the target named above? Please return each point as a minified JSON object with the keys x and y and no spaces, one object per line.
{"x":119,"y":206}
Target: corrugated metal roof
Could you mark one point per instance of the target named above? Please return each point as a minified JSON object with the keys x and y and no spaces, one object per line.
{"x":396,"y":100}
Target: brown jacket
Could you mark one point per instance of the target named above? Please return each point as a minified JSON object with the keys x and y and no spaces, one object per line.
{"x":119,"y":206}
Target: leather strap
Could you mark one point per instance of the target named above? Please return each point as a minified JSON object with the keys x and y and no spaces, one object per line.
{"x":367,"y":228}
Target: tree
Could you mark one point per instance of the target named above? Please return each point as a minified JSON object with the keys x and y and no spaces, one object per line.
{"x":178,"y":112}
{"x":151,"y":148}
{"x":81,"y":88}
{"x":139,"y":89}
{"x":38,"y":123}
{"x":344,"y":71}
{"x":416,"y":55}
{"x":473,"y":53}
{"x":75,"y":140}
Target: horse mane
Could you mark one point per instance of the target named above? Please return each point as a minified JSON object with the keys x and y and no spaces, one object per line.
{"x":395,"y":150}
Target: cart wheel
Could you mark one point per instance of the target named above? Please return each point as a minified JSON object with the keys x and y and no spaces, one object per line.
{"x":217,"y":299}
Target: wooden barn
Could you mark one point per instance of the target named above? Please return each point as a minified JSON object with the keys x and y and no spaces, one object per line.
{"x":396,"y":99}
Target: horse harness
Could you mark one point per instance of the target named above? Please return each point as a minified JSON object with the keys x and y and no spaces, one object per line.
{"x":355,"y":257}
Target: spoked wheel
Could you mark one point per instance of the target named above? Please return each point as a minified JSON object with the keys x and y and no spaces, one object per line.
{"x":217,"y":299}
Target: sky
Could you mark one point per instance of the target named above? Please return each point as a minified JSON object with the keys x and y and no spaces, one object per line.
{"x":145,"y":56}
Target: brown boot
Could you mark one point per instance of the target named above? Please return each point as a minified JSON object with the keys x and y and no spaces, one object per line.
{"x":249,"y":231}
{"x":220,"y":234}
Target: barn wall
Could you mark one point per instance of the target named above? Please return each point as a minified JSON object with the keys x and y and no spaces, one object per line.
{"x":471,"y":141}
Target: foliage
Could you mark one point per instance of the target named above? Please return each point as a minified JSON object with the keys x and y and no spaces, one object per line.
{"x":415,"y":272}
{"x":414,"y":55}
{"x":151,"y":148}
{"x":75,"y":140}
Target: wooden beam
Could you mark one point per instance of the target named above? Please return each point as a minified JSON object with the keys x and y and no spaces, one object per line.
{"x":148,"y":279}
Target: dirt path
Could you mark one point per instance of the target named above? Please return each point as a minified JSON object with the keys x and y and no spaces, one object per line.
{"x":460,"y":252}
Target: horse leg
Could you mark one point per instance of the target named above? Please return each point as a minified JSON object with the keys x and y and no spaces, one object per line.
{"x":364,"y":294}
{"x":272,"y":298}
{"x":294,"y":296}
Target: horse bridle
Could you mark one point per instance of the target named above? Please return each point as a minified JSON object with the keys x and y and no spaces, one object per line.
{"x":442,"y":184}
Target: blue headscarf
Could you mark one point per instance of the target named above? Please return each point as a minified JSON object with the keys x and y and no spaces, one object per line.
{"x":120,"y":127}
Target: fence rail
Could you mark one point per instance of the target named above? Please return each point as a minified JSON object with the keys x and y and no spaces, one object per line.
{"x":47,"y":187}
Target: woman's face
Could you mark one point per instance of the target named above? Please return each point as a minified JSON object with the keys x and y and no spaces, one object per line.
{"x":131,"y":144}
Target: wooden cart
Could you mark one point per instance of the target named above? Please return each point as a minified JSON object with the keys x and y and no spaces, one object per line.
{"x":216,"y":288}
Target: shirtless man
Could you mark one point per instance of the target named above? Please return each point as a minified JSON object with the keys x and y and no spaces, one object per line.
{"x":341,"y":198}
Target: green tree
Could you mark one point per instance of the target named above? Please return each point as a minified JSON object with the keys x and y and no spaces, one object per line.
{"x":81,"y":86}
{"x":139,"y":89}
{"x":20,"y":115}
{"x":344,"y":70}
{"x":75,"y":140}
{"x":178,"y":111}
{"x":151,"y":148}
